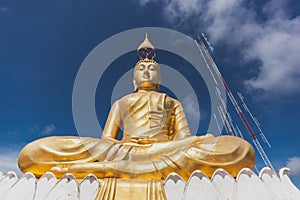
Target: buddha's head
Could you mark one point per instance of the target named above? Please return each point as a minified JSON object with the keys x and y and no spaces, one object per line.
{"x":146,"y":72}
{"x":146,"y":75}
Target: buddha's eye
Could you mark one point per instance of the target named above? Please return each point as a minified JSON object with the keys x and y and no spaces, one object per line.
{"x":141,"y":67}
{"x":152,"y":68}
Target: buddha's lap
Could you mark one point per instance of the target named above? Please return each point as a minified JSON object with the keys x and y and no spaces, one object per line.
{"x":70,"y":148}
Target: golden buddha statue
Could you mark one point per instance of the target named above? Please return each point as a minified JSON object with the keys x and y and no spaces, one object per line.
{"x":156,"y":139}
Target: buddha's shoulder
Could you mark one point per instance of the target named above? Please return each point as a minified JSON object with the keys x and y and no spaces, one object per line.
{"x":169,"y":101}
{"x":127,"y":98}
{"x":140,"y":94}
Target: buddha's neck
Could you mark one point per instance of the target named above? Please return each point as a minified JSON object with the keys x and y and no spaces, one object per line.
{"x":147,"y":86}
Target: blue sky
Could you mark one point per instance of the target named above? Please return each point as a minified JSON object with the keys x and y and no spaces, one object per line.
{"x":42,"y":45}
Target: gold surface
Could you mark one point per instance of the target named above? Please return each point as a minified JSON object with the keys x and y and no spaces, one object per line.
{"x":156,"y":141}
{"x":146,"y":44}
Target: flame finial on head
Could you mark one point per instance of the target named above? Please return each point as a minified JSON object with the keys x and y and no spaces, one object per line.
{"x":146,"y":50}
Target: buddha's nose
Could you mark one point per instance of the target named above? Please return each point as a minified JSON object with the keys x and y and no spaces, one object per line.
{"x":146,"y":72}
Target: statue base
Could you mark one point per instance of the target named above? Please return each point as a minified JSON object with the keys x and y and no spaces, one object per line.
{"x":124,"y":189}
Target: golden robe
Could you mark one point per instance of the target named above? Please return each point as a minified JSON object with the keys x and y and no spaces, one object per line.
{"x":156,"y":141}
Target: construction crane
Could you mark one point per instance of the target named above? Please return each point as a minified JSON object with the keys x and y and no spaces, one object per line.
{"x":236,"y":105}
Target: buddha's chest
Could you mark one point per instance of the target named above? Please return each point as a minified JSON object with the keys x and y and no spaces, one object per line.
{"x":147,"y":115}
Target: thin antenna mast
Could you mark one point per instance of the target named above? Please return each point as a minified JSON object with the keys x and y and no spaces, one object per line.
{"x":236,"y":106}
{"x":254,"y":119}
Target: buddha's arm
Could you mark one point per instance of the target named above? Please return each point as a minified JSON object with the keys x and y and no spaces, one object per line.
{"x":113,"y":123}
{"x":181,"y":125}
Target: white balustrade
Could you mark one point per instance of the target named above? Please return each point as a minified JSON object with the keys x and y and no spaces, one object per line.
{"x":222,"y":186}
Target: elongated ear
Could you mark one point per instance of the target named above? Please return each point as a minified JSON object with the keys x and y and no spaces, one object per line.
{"x":135,"y":87}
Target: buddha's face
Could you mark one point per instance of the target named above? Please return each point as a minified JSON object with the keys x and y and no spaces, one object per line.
{"x":147,"y":72}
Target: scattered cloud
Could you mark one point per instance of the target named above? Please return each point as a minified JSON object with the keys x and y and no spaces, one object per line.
{"x":49,"y":129}
{"x":183,"y":8}
{"x":9,"y":155}
{"x":144,"y":2}
{"x":190,"y":105}
{"x":4,"y":10}
{"x":9,"y":161}
{"x":294,"y":165}
{"x":44,"y":131}
{"x":268,"y":35}
{"x":277,"y":47}
{"x":35,"y":129}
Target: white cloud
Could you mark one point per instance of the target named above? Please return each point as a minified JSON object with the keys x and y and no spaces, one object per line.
{"x":180,"y":10}
{"x":191,"y":109}
{"x":190,"y":104}
{"x":46,"y":130}
{"x":279,"y":54}
{"x":274,"y":42}
{"x":9,"y":161}
{"x":220,"y":7}
{"x":4,"y":10}
{"x":35,"y":129}
{"x":144,"y":2}
{"x":49,"y":129}
{"x":187,"y":7}
{"x":294,"y":165}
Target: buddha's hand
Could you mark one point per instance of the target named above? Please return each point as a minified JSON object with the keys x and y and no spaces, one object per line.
{"x":146,"y":141}
{"x":143,"y":140}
